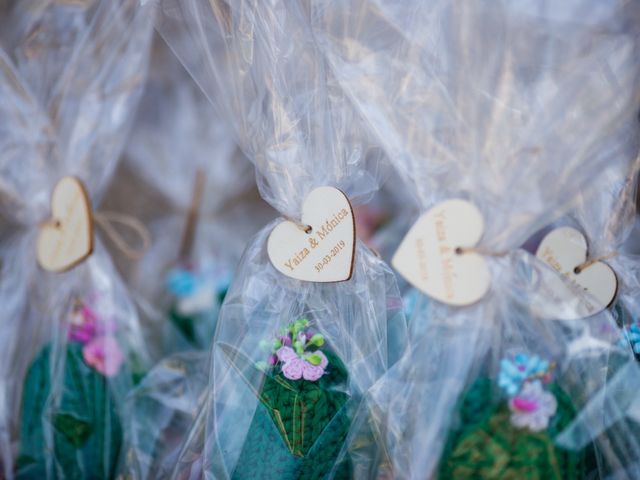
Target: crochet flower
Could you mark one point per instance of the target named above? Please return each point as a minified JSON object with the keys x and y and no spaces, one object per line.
{"x":533,"y":407}
{"x":310,"y":367}
{"x":84,"y":323}
{"x":296,"y":351}
{"x":103,"y":353}
{"x":514,"y":373}
{"x":196,"y":289}
{"x":632,"y":336}
{"x":182,"y":282}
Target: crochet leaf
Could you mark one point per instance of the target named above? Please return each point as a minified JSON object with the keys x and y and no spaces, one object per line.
{"x":299,"y":427}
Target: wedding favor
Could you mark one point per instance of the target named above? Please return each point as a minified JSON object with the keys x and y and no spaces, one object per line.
{"x":71,"y":343}
{"x":313,"y":317}
{"x":195,"y":181}
{"x":496,"y":117}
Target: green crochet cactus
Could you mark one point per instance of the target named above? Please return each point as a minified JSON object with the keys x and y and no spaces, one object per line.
{"x":487,"y":446}
{"x":185,"y":324}
{"x":82,"y":426}
{"x":298,"y":428}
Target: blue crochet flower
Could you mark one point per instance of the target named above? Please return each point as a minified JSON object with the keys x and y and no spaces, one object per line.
{"x":182,"y":282}
{"x":514,"y":373}
{"x":632,"y":336}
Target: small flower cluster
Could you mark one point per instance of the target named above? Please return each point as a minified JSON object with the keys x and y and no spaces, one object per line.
{"x":296,"y":352}
{"x":196,"y":289}
{"x":523,"y":379}
{"x":100,"y":348}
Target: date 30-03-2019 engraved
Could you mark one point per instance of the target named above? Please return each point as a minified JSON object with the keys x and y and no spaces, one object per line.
{"x":316,"y":239}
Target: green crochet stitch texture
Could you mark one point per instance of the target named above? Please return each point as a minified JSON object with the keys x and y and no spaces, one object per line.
{"x":488,"y":446}
{"x":84,"y":427}
{"x":298,"y":428}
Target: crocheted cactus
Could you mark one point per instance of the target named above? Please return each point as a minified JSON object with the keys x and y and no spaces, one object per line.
{"x":186,"y":324}
{"x":196,"y":322}
{"x":81,"y":425}
{"x":299,"y":426}
{"x":486,"y":444}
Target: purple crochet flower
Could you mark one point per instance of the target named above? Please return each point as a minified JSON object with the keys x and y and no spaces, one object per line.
{"x":296,"y":367}
{"x":296,"y":349}
{"x":86,"y":325}
{"x":83,"y":324}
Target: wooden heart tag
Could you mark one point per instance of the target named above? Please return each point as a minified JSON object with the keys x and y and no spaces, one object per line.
{"x":431,"y":255}
{"x":564,"y":249}
{"x":67,"y":239}
{"x":322,"y":247}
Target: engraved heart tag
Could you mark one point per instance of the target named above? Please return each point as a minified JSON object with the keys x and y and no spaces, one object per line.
{"x":565,"y":249}
{"x":431,"y":258}
{"x":324,"y":252}
{"x":67,"y":239}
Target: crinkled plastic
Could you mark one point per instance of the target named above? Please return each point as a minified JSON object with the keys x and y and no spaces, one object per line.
{"x":177,"y":141}
{"x":161,"y":411}
{"x":71,"y":342}
{"x":291,"y":360}
{"x":177,"y":137}
{"x":606,"y":218}
{"x":518,"y":108}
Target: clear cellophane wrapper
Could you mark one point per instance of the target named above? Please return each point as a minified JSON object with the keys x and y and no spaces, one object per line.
{"x":70,"y":78}
{"x":185,"y":156}
{"x":179,"y":140}
{"x":518,"y":109}
{"x":260,"y":419}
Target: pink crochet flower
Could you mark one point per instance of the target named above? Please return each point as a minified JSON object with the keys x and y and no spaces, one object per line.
{"x":532,"y":407}
{"x":103,"y":353}
{"x":296,"y":367}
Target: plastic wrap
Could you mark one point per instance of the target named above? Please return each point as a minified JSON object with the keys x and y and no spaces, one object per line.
{"x":162,"y":409}
{"x":516,"y":107}
{"x":71,"y":343}
{"x":257,"y":61}
{"x":606,"y":219}
{"x":178,"y":146}
{"x":182,"y":151}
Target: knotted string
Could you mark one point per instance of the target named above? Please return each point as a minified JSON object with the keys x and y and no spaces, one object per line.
{"x":580,"y":268}
{"x":306,"y":228}
{"x":587,"y":263}
{"x":107,"y":221}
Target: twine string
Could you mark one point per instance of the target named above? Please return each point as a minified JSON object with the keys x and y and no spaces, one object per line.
{"x":306,"y":228}
{"x":590,"y":261}
{"x":108,"y":220}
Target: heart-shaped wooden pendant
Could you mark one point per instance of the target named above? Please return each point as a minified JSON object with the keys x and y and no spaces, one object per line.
{"x":325,"y":251}
{"x":432,"y":259}
{"x":67,"y":239}
{"x":564,"y":249}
